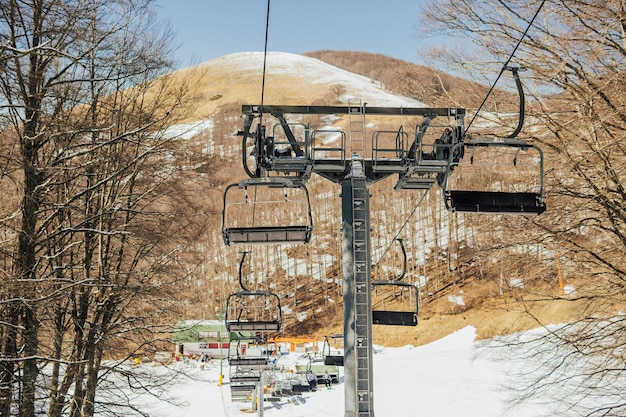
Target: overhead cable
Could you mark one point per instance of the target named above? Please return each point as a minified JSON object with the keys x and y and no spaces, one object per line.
{"x":506,"y":64}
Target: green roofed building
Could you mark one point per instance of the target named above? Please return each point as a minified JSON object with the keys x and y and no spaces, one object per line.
{"x":201,"y":337}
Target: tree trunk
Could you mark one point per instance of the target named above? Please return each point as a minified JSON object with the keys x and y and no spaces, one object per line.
{"x":26,"y":263}
{"x":8,"y":351}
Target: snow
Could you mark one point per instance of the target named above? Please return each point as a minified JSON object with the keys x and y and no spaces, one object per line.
{"x":516,"y":283}
{"x":453,"y":376}
{"x":357,"y":87}
{"x":569,"y":289}
{"x":188,"y":130}
{"x":456,"y":299}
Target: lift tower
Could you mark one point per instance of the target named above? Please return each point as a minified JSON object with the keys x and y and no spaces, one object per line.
{"x":286,"y":160}
{"x":357,"y":300}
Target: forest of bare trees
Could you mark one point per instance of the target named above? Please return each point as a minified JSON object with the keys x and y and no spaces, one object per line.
{"x":575,"y":53}
{"x":92,"y":225}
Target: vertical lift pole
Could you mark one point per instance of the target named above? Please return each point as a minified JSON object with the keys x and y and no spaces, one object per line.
{"x":357,"y":300}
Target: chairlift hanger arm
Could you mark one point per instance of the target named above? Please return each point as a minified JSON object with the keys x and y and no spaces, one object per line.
{"x":290,"y":136}
{"x":246,"y":134}
{"x":243,"y":257}
{"x":522,"y":99}
{"x":419,"y":135}
{"x":404,"y":261}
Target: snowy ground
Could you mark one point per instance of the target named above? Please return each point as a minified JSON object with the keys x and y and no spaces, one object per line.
{"x":455,"y":376}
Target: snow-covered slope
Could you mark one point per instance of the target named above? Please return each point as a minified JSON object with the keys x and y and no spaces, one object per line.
{"x":289,"y":79}
{"x":315,"y":73}
{"x":453,"y":376}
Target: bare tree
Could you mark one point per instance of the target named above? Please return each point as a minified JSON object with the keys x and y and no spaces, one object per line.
{"x":576,"y":54}
{"x":89,"y":250}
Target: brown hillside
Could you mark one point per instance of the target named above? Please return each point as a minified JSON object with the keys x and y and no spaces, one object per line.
{"x":426,"y":84}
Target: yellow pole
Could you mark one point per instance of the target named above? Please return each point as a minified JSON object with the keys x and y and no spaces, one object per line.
{"x":221,"y":377}
{"x":560,"y":275}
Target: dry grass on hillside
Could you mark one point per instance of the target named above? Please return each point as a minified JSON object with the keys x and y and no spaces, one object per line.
{"x":496,"y":315}
{"x":435,"y":88}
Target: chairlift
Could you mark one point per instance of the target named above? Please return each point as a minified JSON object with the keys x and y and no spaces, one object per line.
{"x":512,"y":168}
{"x":395,"y":291}
{"x":253,"y":311}
{"x":494,"y":176}
{"x":400,"y":297}
{"x":331,"y":354}
{"x":243,"y":357}
{"x":256,"y":210}
{"x":250,"y":310}
{"x":243,"y":375}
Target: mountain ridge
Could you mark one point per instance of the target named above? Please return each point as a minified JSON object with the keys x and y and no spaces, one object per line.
{"x":289,"y":79}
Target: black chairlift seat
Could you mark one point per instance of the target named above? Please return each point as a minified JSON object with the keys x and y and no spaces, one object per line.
{"x":267,"y":234}
{"x":253,"y":311}
{"x":244,"y":377}
{"x":248,"y":361}
{"x":397,"y":317}
{"x":243,"y":387}
{"x":260,"y":326}
{"x":242,"y":227}
{"x":336,"y":360}
{"x":394,"y":318}
{"x":495,"y":202}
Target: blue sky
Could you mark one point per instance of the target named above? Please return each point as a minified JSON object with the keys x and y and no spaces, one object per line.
{"x":208,"y":29}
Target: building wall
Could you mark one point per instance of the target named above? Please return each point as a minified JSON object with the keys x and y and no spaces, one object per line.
{"x":188,"y":349}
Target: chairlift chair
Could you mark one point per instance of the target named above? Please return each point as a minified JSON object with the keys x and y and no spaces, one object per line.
{"x":403,"y":316}
{"x":288,"y":148}
{"x":405,"y":310}
{"x":252,"y":310}
{"x":519,"y":166}
{"x":256,"y":209}
{"x":330,"y":357}
{"x":244,"y":376}
{"x":240,"y":357}
{"x":245,"y":369}
{"x":519,"y":163}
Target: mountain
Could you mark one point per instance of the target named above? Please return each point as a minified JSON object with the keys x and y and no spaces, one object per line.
{"x":289,"y":79}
